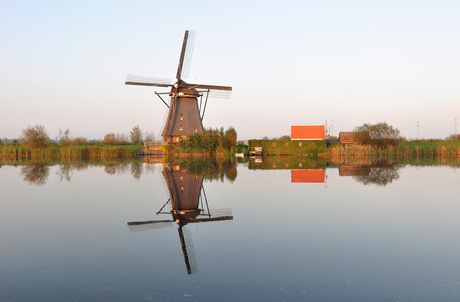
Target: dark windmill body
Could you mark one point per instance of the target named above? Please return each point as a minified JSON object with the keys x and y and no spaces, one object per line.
{"x":188,"y":204}
{"x":185,"y":112}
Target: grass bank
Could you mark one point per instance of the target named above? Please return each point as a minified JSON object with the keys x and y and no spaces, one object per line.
{"x":73,"y":152}
{"x":403,"y":149}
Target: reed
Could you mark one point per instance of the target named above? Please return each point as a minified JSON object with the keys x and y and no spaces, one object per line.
{"x":403,"y":149}
{"x":72,"y":152}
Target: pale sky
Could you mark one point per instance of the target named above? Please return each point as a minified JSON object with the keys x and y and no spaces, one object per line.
{"x":63,"y":64}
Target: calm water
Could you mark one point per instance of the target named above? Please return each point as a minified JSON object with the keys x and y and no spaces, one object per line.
{"x":268,"y":231}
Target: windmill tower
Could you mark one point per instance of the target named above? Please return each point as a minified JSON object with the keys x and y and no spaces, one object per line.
{"x":185,"y":115}
{"x":188,"y":205}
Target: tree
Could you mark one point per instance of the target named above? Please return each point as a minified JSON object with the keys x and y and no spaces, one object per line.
{"x":64,"y":138}
{"x":136,"y":135}
{"x":282,"y":138}
{"x":149,"y":136}
{"x":453,"y":138}
{"x":231,"y":135}
{"x":122,"y":139}
{"x":379,"y":135}
{"x":34,"y":137}
{"x":81,"y":140}
{"x":110,"y":139}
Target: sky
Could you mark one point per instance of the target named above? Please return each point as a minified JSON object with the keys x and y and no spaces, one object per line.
{"x":63,"y":64}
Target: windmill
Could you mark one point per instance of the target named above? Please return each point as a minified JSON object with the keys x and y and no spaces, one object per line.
{"x":185,"y":115}
{"x":186,"y":194}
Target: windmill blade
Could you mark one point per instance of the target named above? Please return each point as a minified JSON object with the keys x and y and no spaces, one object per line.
{"x":140,"y":226}
{"x":188,"y":250}
{"x":185,"y":55}
{"x":215,"y":215}
{"x":205,"y":86}
{"x":188,"y":55}
{"x":216,"y":93}
{"x":147,"y":81}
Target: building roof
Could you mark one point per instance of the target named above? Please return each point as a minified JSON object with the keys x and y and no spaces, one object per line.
{"x":351,"y":137}
{"x":347,"y":170}
{"x":307,"y":132}
{"x":308,"y":176}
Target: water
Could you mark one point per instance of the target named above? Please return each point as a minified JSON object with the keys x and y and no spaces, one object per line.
{"x":385,"y":233}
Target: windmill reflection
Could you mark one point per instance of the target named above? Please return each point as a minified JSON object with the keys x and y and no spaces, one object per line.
{"x":188,"y":204}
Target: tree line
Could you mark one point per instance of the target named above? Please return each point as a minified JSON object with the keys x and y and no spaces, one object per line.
{"x":37,"y":137}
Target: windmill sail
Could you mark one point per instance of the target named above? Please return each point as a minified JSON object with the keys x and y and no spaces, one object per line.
{"x":184,"y":116}
{"x":140,"y":226}
{"x":186,"y":55}
{"x":188,"y":250}
{"x":147,"y":81}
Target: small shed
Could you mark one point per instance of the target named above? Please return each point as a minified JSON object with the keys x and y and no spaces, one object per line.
{"x":307,"y":132}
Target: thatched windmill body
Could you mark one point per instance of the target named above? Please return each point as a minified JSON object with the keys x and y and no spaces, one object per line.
{"x":185,"y":114}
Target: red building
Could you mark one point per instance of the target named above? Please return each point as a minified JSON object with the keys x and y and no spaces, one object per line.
{"x":353,"y":138}
{"x":308,"y":176}
{"x":307,"y":132}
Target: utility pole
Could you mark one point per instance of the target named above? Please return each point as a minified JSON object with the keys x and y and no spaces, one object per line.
{"x":332,"y":131}
{"x":455,"y":122}
{"x":418,"y":132}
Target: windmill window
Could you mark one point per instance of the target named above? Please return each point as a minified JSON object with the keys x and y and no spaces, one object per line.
{"x":181,"y":179}
{"x":181,"y":117}
{"x":196,"y":130}
{"x":180,"y":127}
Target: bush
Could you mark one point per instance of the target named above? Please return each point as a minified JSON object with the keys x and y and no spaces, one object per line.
{"x":453,"y":138}
{"x":64,"y":138}
{"x":81,"y":141}
{"x":34,"y":137}
{"x":379,"y":135}
{"x":110,"y":139}
{"x":210,"y":141}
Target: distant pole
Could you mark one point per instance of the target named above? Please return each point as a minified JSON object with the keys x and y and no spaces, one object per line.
{"x":332,"y":131}
{"x":418,"y":131}
{"x":325,"y":128}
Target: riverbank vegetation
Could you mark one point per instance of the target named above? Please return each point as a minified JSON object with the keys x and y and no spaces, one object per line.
{"x":405,"y":148}
{"x":74,"y":152}
{"x":210,"y":142}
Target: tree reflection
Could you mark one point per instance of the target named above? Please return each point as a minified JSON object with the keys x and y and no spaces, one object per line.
{"x":379,"y":175}
{"x":137,"y":170}
{"x":35,"y":173}
{"x":210,"y":168}
{"x":64,"y":172}
{"x":110,"y":169}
